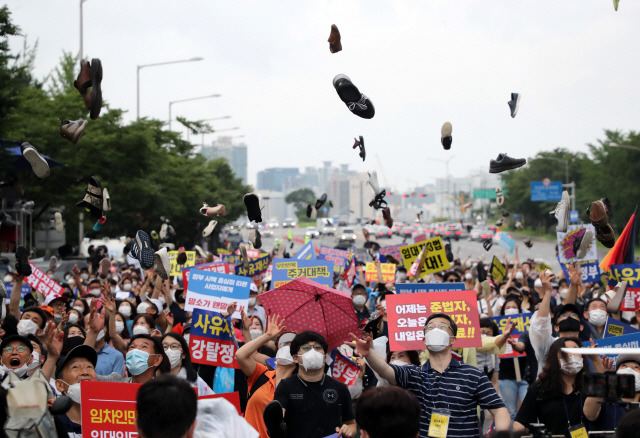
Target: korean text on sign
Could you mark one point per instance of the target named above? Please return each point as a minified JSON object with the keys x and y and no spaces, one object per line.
{"x":407,"y":288}
{"x":631,"y":274}
{"x":435,"y":261}
{"x":211,"y":341}
{"x":339,"y":257}
{"x":223,"y":268}
{"x":176,"y":269}
{"x":498,"y":270}
{"x":256,"y":266}
{"x":388,"y":272}
{"x":42,"y":283}
{"x":286,"y":270}
{"x":521,"y":322}
{"x":109,"y":409}
{"x":343,"y":369}
{"x":407,"y":314}
{"x":215,"y":291}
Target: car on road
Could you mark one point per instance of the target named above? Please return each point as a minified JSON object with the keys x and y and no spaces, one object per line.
{"x":266,"y":231}
{"x":480,"y":234}
{"x":289,"y":223}
{"x":382,"y":231}
{"x":312,"y":232}
{"x":273,"y":223}
{"x":348,"y":234}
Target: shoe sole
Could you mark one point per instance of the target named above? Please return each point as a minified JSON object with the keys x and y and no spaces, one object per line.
{"x":258,"y":240}
{"x":38,"y":164}
{"x":96,"y":88}
{"x":273,"y":417}
{"x":22,"y":259}
{"x":105,"y":264}
{"x":163,"y":264}
{"x":584,"y":245}
{"x":146,"y":256}
{"x":58,"y":220}
{"x":245,"y":259}
{"x":604,"y":220}
{"x":614,"y":305}
{"x":252,"y":203}
{"x":79,"y":132}
{"x":446,"y":130}
{"x":515,"y":111}
{"x":209,"y":229}
{"x":503,"y":168}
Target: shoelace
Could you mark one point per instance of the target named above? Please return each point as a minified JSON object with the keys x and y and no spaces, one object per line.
{"x":360,"y":104}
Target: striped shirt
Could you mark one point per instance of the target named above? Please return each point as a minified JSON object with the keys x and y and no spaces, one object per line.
{"x":460,"y":389}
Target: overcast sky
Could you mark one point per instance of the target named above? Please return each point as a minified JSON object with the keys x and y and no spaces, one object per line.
{"x":422,"y":63}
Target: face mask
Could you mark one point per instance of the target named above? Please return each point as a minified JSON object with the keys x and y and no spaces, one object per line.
{"x":401,"y":277}
{"x":483,"y":335}
{"x":19,"y":371}
{"x":511,"y":311}
{"x":569,"y":325}
{"x":537,"y":283}
{"x":436,"y":340}
{"x":359,"y":300}
{"x":80,"y":309}
{"x":126,"y":287}
{"x":563,"y":292}
{"x":57,"y":318}
{"x":8,"y":279}
{"x":67,"y":277}
{"x":137,"y":361}
{"x":125,"y":310}
{"x":255,"y":333}
{"x":186,"y":338}
{"x":72,"y":281}
{"x":73,"y":342}
{"x":73,"y":318}
{"x":88,"y":300}
{"x":283,"y":356}
{"x":119,"y":327}
{"x":95,"y":292}
{"x":252,"y":301}
{"x":467,"y":276}
{"x":398,"y":362}
{"x":142,"y":308}
{"x":27,"y":327}
{"x":51,"y":276}
{"x":519,"y":276}
{"x":571,"y":366}
{"x":597,"y":317}
{"x":633,"y":373}
{"x":84,"y":276}
{"x":312,"y":360}
{"x":141,"y":330}
{"x":73,"y":391}
{"x":113,"y":289}
{"x":174,"y":356}
{"x":35,"y":363}
{"x":134,"y":283}
{"x":100,"y":336}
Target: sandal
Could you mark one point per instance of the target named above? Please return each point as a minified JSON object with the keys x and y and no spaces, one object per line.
{"x":93,"y":199}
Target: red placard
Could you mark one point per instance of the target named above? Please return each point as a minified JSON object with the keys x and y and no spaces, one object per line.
{"x":407,"y":314}
{"x":510,"y":352}
{"x":109,"y":409}
{"x":343,"y":369}
{"x":232,"y":397}
{"x":42,"y":283}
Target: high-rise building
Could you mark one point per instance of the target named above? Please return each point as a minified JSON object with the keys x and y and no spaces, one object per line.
{"x":235,"y":154}
{"x":277,"y":178}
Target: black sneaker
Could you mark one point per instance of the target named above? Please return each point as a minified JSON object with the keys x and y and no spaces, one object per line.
{"x":527,"y":242}
{"x":321,"y":200}
{"x":581,"y":244}
{"x":274,"y":420}
{"x":487,"y":244}
{"x":257,"y":239}
{"x":505,"y":162}
{"x":22,"y":262}
{"x":505,"y":213}
{"x":38,"y":163}
{"x":252,"y":203}
{"x":309,"y":210}
{"x":142,"y":250}
{"x":358,"y":103}
{"x":445,"y":135}
{"x":514,"y":103}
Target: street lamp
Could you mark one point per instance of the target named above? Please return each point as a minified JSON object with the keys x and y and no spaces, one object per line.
{"x":81,"y":33}
{"x":188,"y":100}
{"x":139,"y":67}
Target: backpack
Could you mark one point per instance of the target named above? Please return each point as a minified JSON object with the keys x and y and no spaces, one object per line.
{"x":27,"y":407}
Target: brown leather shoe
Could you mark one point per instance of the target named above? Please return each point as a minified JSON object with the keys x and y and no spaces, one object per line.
{"x":606,"y":235}
{"x":365,"y":233}
{"x":83,"y":82}
{"x":73,"y":130}
{"x":598,"y":214}
{"x":96,"y":88}
{"x":334,"y":39}
{"x":386,"y":214}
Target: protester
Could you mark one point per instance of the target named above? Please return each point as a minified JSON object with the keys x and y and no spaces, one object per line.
{"x":16,"y":355}
{"x":145,"y":360}
{"x":388,"y":412}
{"x":596,"y":316}
{"x":39,"y":355}
{"x":176,"y":349}
{"x":359,"y":297}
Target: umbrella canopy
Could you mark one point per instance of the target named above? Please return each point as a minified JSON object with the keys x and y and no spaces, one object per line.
{"x":18,"y":162}
{"x":307,"y":305}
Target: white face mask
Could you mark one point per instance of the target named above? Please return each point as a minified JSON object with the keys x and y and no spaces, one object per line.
{"x":572,"y":365}
{"x":113,"y":289}
{"x":88,"y":300}
{"x":142,"y":308}
{"x":19,"y":371}
{"x":359,"y":300}
{"x":35,"y":363}
{"x":141,"y":330}
{"x":125,"y":310}
{"x":100,"y":336}
{"x":126,"y":287}
{"x":84,"y":276}
{"x":519,"y":276}
{"x":80,"y":309}
{"x":8,"y":279}
{"x":72,"y":281}
{"x":73,"y":391}
{"x":283,"y":356}
{"x":73,"y":318}
{"x":563,"y":292}
{"x":174,"y":356}
{"x":255,"y":333}
{"x":252,"y":301}
{"x":398,"y":362}
{"x":401,"y":277}
{"x":511,"y":311}
{"x":162,"y":299}
{"x":597,"y":317}
{"x":537,"y":283}
{"x":119,"y":327}
{"x":436,"y":340}
{"x":27,"y":327}
{"x":134,"y":283}
{"x":312,"y":360}
{"x":633,"y":373}
{"x":467,"y":276}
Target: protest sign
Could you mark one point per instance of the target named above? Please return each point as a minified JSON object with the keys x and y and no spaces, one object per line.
{"x":252,"y":253}
{"x":626,"y":341}
{"x":231,"y":258}
{"x":522,"y":323}
{"x":256,"y":266}
{"x":24,"y":290}
{"x":631,"y":274}
{"x":589,"y":271}
{"x":566,"y":240}
{"x":393,"y":251}
{"x":215,"y":291}
{"x":505,"y":241}
{"x":407,"y":314}
{"x":42,"y":283}
{"x":406,"y":288}
{"x":176,"y":269}
{"x":498,"y":270}
{"x":223,"y":268}
{"x":436,"y":258}
{"x":286,"y":270}
{"x":388,"y":272}
{"x":339,"y":257}
{"x":307,"y":252}
{"x":231,"y":397}
{"x":343,"y":369}
{"x":108,"y":409}
{"x":617,"y":328}
{"x":211,"y":340}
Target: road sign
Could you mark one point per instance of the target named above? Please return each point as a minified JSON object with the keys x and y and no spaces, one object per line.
{"x":486,"y":193}
{"x":546,"y":192}
{"x":573,"y":216}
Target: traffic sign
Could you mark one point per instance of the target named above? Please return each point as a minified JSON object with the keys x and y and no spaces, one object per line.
{"x":552,"y":191}
{"x":486,"y":193}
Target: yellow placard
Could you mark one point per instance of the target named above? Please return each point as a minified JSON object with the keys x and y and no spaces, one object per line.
{"x":435,"y":261}
{"x":388,"y":272}
{"x":176,"y":269}
{"x":498,"y":270}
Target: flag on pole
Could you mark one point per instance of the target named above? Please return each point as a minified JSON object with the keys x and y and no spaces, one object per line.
{"x":351,"y":271}
{"x":622,"y":251}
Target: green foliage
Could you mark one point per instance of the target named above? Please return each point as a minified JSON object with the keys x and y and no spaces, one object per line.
{"x":300,"y":199}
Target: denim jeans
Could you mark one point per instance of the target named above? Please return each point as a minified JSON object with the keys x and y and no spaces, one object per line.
{"x":511,"y":391}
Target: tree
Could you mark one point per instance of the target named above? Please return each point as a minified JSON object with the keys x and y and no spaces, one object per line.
{"x":300,"y":199}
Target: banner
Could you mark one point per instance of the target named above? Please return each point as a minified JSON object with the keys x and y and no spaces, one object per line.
{"x":626,"y":341}
{"x":176,"y":269}
{"x":617,"y":328}
{"x":589,"y":271}
{"x":339,"y":257}
{"x":498,"y":270}
{"x":565,"y":243}
{"x":307,"y":252}
{"x":522,"y":323}
{"x":388,"y":272}
{"x":223,"y":268}
{"x":24,"y":290}
{"x":286,"y":270}
{"x":343,"y":369}
{"x":42,"y":283}
{"x":407,"y":314}
{"x":256,"y":266}
{"x":231,"y":258}
{"x":505,"y":241}
{"x":214,"y":291}
{"x":393,"y":251}
{"x":631,"y":274}
{"x":108,"y":409}
{"x":436,"y":260}
{"x":211,"y":340}
{"x":406,"y":288}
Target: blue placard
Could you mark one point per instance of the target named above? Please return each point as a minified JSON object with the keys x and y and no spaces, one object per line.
{"x":256,"y":266}
{"x":286,"y":270}
{"x":214,"y":291}
{"x":617,"y":328}
{"x":25,"y":290}
{"x":540,"y":192}
{"x":629,"y":273}
{"x":231,"y":258}
{"x":505,"y":241}
{"x":521,"y":321}
{"x":339,"y":257}
{"x":589,"y":270}
{"x":307,"y":252}
{"x":407,"y":288}
{"x":625,"y":341}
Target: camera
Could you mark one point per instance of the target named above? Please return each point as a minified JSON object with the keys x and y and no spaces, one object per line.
{"x":610,"y":386}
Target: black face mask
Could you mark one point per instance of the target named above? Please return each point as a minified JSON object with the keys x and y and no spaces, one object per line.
{"x":73,"y":342}
{"x":569,"y":325}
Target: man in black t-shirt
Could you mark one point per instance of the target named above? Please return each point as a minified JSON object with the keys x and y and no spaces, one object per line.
{"x":314,"y":404}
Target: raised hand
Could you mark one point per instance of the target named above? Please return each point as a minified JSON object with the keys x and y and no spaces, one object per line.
{"x":52,"y":339}
{"x":275,"y":326}
{"x":361,"y":347}
{"x":575,"y":275}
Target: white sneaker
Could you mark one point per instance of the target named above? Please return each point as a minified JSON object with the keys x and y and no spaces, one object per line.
{"x":163,"y":264}
{"x":585,"y":243}
{"x":209,"y":228}
{"x":373,"y":182}
{"x":562,"y":213}
{"x":57,"y":216}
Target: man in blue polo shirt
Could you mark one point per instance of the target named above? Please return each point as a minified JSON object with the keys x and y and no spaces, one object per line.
{"x":449,"y":391}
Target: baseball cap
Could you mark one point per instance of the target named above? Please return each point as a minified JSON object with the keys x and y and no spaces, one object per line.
{"x":627,"y":357}
{"x":79,"y":351}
